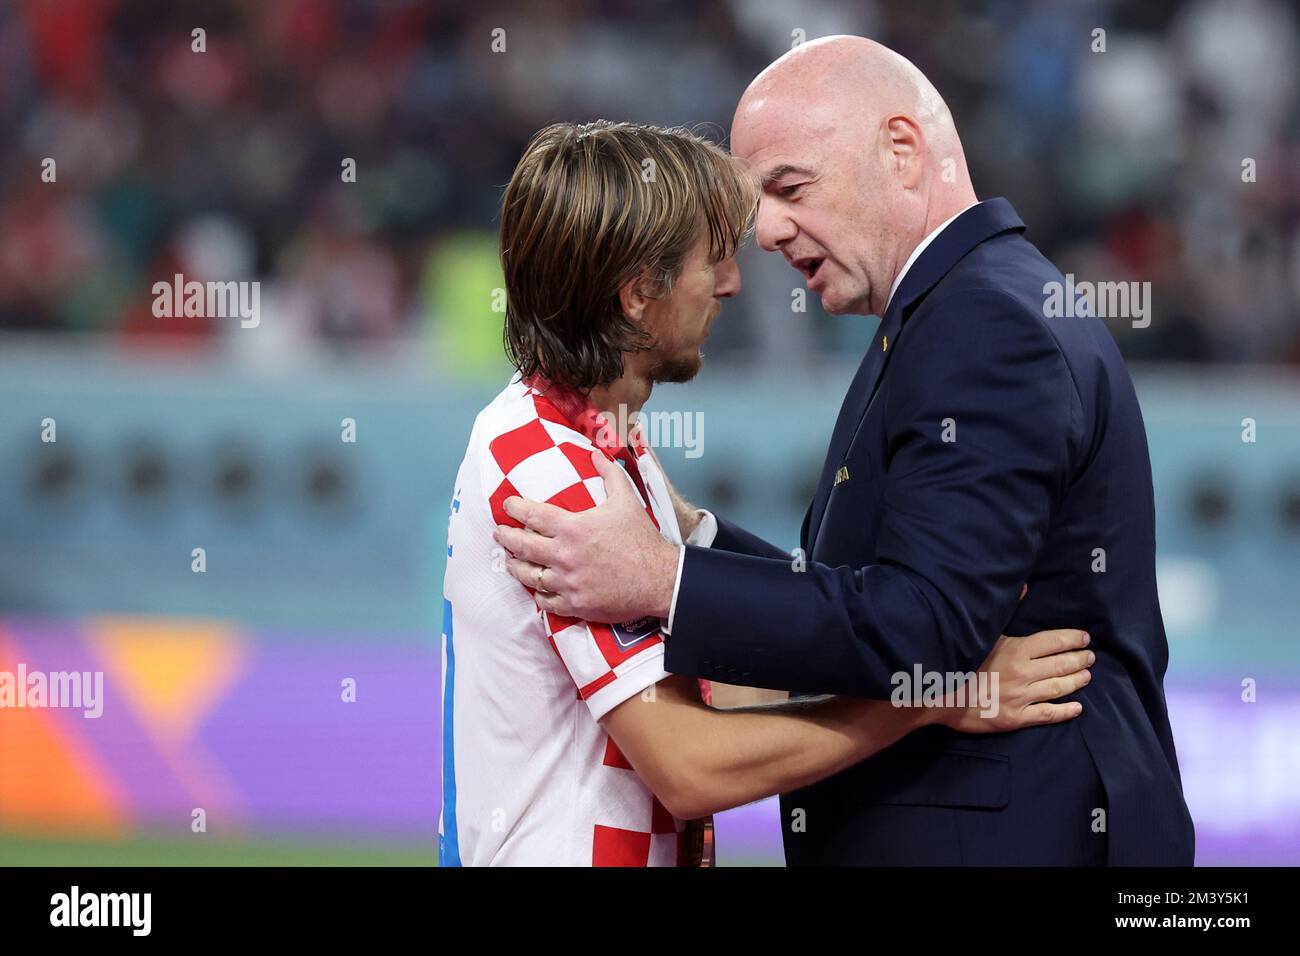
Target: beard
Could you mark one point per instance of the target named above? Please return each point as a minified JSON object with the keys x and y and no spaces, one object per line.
{"x":676,"y":371}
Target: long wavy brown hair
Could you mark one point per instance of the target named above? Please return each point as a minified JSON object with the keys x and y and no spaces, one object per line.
{"x":590,"y":208}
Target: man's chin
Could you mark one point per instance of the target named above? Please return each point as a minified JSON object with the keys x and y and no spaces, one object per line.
{"x":677,"y":371}
{"x":833,"y":304}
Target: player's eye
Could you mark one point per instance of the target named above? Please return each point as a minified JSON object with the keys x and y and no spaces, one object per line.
{"x":788,"y":192}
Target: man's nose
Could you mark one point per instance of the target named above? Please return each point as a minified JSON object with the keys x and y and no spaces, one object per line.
{"x":726,"y":279}
{"x":772,"y":227}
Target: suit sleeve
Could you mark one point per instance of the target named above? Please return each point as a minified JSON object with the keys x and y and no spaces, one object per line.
{"x":982,"y":416}
{"x":737,"y":540}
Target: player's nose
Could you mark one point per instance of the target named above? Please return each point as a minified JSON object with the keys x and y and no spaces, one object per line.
{"x":726,"y":279}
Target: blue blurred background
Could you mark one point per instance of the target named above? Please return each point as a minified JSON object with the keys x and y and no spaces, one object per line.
{"x":324,"y":555}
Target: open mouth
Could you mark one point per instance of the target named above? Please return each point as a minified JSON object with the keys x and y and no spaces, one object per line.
{"x":809,"y":267}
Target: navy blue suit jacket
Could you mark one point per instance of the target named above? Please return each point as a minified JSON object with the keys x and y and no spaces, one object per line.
{"x":981,"y":446}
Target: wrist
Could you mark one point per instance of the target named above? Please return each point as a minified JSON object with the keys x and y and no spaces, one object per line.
{"x":942,"y":715}
{"x":664,"y":580}
{"x":688,"y":517}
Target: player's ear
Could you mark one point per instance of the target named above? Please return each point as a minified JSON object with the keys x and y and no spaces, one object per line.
{"x":634,"y":296}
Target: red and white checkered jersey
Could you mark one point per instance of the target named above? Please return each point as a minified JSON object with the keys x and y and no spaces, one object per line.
{"x":530,"y":777}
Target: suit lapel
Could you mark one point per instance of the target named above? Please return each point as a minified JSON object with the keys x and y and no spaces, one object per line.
{"x":851,"y":412}
{"x":975,"y":225}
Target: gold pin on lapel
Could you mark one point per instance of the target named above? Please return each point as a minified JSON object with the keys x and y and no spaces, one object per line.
{"x":884,"y":343}
{"x":842,"y":474}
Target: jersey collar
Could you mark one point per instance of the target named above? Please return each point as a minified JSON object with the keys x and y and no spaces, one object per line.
{"x":568,"y":406}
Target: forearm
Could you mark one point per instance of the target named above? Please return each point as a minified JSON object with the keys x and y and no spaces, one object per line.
{"x":754,"y":752}
{"x":712,"y":760}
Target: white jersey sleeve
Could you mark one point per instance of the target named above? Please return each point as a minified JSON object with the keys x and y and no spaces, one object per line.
{"x":548,"y":461}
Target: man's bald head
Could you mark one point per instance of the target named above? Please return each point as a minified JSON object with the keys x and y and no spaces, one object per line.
{"x":860,"y":161}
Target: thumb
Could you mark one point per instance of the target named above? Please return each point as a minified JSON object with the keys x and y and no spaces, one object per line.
{"x":1024,"y":589}
{"x":616,"y":483}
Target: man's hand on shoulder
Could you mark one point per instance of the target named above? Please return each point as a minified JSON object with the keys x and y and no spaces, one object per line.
{"x":607,"y":563}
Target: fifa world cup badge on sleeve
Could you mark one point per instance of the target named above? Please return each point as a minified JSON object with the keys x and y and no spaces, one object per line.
{"x":632,"y":633}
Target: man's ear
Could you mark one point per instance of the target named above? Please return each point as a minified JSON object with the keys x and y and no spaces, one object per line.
{"x":633,"y":298}
{"x":904,"y":144}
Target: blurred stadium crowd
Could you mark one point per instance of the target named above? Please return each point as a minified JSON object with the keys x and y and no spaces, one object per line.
{"x":226,"y":164}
